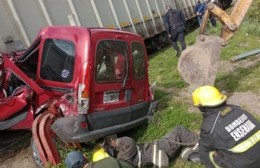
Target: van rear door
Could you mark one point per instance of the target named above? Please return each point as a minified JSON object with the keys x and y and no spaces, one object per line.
{"x":139,"y":81}
{"x":110,"y":99}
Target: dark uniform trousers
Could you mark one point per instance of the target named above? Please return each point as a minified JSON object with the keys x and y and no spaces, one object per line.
{"x":229,"y":138}
{"x":155,"y":153}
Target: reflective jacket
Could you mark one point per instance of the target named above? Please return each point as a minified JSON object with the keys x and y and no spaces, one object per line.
{"x":108,"y":162}
{"x":230,"y":138}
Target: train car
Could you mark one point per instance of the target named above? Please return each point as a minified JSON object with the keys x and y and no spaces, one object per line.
{"x":21,"y":20}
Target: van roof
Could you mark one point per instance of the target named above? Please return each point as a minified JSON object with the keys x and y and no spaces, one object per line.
{"x":74,"y":29}
{"x":111,"y":30}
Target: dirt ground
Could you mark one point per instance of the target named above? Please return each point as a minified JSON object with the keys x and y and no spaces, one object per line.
{"x":247,"y":100}
{"x":15,"y":149}
{"x":18,"y":154}
{"x":19,"y":159}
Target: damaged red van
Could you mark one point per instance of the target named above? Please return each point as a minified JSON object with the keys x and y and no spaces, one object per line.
{"x":76,"y":83}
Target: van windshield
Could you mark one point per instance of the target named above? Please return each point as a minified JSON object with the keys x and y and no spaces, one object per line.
{"x":58,"y":60}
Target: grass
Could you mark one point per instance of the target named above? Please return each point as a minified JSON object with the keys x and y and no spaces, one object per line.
{"x":162,"y":63}
{"x":243,"y":41}
{"x":247,"y":37}
{"x":172,"y":110}
{"x":242,"y":79}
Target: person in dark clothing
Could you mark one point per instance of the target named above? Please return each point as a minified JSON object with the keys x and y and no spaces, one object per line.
{"x":229,"y":135}
{"x":212,"y":18}
{"x":174,"y":23}
{"x":158,"y":153}
{"x":213,"y":21}
{"x":101,"y":159}
{"x":199,"y":11}
{"x":129,"y":154}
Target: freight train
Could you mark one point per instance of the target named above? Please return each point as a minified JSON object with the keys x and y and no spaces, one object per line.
{"x":21,"y":20}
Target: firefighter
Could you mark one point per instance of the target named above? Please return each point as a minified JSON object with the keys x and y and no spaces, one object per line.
{"x":158,"y":153}
{"x":100,"y":159}
{"x":129,"y":154}
{"x":229,"y":136}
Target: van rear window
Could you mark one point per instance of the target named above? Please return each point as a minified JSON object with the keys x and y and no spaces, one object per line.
{"x":111,"y":61}
{"x":58,"y":60}
{"x":138,"y":60}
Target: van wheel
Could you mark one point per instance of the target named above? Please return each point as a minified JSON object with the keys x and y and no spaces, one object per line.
{"x":47,"y":144}
{"x":35,"y":154}
{"x":61,"y":149}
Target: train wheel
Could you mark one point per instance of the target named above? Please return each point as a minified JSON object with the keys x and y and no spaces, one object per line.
{"x":156,"y":44}
{"x":165,"y":38}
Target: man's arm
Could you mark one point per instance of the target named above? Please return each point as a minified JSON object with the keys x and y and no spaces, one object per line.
{"x":205,"y":157}
{"x":166,"y":23}
{"x":203,"y":8}
{"x":206,"y":147}
{"x":196,"y":9}
{"x":182,"y":17}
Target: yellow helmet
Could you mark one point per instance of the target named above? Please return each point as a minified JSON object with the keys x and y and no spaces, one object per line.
{"x":207,"y":96}
{"x":99,"y":154}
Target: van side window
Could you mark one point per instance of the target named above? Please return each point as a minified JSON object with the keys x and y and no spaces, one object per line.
{"x":138,"y":60}
{"x":111,"y":61}
{"x":58,"y":60}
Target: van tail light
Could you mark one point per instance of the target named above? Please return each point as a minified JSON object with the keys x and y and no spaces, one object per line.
{"x":83,"y":93}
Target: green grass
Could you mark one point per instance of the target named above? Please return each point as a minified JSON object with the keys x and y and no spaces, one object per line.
{"x":242,"y":79}
{"x":247,"y":36}
{"x":243,"y":41}
{"x":172,"y":110}
{"x":163,"y":63}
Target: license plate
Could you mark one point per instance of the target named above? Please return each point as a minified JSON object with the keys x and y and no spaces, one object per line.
{"x":110,"y":97}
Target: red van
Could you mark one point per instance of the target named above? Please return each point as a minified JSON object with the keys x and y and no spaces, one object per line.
{"x":94,"y":82}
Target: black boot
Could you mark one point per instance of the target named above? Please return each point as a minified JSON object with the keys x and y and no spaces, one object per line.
{"x":191,"y":154}
{"x":194,"y":157}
